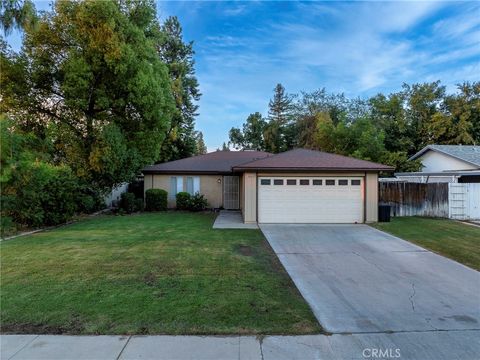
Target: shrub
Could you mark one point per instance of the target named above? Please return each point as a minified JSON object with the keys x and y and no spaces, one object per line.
{"x":139,"y":204}
{"x":198,"y":202}
{"x":58,"y":203}
{"x":86,"y":204}
{"x":183,"y":200}
{"x":7,"y":226}
{"x":156,"y":200}
{"x":127,"y":202}
{"x":39,"y":193}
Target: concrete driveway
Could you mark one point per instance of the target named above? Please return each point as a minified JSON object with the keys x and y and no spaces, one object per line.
{"x":358,"y":279}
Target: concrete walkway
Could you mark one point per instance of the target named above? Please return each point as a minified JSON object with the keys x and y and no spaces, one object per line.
{"x":407,"y":346}
{"x":231,"y":219}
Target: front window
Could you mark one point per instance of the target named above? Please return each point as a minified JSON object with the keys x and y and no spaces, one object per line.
{"x":176,"y":186}
{"x":193,"y":185}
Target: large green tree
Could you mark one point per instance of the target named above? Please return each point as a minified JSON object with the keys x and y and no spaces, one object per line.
{"x":251,"y":135}
{"x":180,"y":141}
{"x":16,"y":14}
{"x":89,"y":78}
{"x":201,"y":148}
{"x":279,"y":134}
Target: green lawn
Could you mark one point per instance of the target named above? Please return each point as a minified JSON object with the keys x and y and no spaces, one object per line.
{"x":160,"y":273}
{"x":449,"y":238}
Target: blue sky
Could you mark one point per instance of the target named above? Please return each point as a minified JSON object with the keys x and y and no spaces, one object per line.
{"x":360,"y":48}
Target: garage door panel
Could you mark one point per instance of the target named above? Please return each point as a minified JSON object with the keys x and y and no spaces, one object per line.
{"x":310,"y":203}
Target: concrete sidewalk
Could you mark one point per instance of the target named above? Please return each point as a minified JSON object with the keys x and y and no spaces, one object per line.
{"x":434,"y":345}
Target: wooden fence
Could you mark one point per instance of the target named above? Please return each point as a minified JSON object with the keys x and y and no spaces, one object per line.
{"x":410,"y":199}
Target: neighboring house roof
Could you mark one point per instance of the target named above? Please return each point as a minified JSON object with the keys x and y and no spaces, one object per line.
{"x":308,"y":160}
{"x":213,"y":163}
{"x":467,"y":153}
{"x":441,"y":173}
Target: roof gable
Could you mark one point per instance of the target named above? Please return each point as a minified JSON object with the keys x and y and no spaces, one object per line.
{"x":213,"y":163}
{"x":304,"y":159}
{"x":467,"y":153}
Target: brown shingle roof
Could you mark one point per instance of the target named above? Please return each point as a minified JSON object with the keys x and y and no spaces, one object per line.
{"x":211,"y":163}
{"x":303,"y":159}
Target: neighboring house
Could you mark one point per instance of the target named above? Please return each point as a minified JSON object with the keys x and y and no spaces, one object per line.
{"x":446,"y":163}
{"x":297,"y":186}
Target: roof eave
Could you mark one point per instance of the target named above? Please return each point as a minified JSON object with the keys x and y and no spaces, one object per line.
{"x":197,"y":172}
{"x":310,"y":169}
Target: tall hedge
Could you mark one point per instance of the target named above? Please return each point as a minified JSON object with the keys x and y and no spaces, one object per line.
{"x":156,"y":200}
{"x":39,"y":194}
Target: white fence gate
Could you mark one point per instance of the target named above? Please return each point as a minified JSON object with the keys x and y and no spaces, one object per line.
{"x":464,"y":201}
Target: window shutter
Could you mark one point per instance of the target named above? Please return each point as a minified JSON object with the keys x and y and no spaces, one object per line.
{"x":196,"y":184}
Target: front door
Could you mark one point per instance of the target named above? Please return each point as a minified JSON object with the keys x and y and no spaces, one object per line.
{"x":231,"y":192}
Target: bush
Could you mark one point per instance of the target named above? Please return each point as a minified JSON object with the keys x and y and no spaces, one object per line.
{"x":156,"y":200}
{"x":127,"y":202}
{"x":198,"y":202}
{"x":86,"y":204}
{"x":139,"y":204}
{"x":58,"y":203}
{"x":39,"y":194}
{"x":7,"y":226}
{"x":183,"y":200}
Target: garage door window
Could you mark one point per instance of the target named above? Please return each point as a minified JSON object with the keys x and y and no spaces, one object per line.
{"x":355,"y":182}
{"x":265,"y":182}
{"x":317,"y":182}
{"x":291,"y":182}
{"x":304,"y":182}
{"x":329,"y":182}
{"x":278,"y":182}
{"x":343,"y":182}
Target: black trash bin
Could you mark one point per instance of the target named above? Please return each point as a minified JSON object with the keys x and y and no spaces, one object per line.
{"x":383,"y":213}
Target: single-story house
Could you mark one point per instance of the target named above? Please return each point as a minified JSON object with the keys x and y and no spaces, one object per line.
{"x":297,"y":186}
{"x":446,"y":163}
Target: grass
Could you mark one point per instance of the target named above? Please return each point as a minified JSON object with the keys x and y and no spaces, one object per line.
{"x":449,"y":238}
{"x":157,"y":273}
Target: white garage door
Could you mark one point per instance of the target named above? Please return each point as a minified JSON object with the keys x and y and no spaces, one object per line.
{"x":310,"y":199}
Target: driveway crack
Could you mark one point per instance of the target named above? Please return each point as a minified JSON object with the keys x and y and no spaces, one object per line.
{"x":412,"y":296}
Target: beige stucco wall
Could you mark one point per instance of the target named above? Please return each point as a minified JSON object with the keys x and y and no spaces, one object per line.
{"x":209,"y":186}
{"x":249,"y":201}
{"x":371,"y":197}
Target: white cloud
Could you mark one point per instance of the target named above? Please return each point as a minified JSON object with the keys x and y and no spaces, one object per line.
{"x":359,"y":48}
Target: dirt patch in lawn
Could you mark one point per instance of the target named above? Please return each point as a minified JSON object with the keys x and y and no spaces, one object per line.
{"x":150,"y":279}
{"x":75,"y":326}
{"x":244,"y":250}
